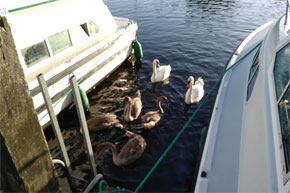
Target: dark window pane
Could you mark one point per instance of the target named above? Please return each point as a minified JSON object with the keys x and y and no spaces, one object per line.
{"x":286,"y":145}
{"x":282,"y":69}
{"x":35,"y":53}
{"x":252,"y":83}
{"x":284,"y":112}
{"x":254,"y":64}
{"x":284,"y":107}
{"x":85,"y":28}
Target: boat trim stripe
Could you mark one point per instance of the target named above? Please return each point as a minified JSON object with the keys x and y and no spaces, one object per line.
{"x":59,"y":95}
{"x":31,"y":6}
{"x":72,"y":68}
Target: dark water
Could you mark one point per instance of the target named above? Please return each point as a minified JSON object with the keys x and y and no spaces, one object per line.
{"x":196,"y":37}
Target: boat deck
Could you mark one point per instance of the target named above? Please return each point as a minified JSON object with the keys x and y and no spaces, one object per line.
{"x":225,"y":165}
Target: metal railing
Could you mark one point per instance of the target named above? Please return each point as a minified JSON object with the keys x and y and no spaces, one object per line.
{"x":79,"y":106}
{"x":287,"y":10}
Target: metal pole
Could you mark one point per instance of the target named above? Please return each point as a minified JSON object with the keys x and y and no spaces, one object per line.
{"x":54,"y":121}
{"x":287,"y":7}
{"x":69,"y":177}
{"x":93,"y":183}
{"x":83,"y":122}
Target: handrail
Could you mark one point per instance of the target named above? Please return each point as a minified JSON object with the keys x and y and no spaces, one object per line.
{"x":93,"y":183}
{"x":287,"y":10}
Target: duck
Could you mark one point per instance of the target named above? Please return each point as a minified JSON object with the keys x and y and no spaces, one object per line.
{"x":130,"y":152}
{"x":104,"y":121}
{"x":151,"y":118}
{"x":133,"y":107}
{"x":160,"y":73}
{"x":195,"y":91}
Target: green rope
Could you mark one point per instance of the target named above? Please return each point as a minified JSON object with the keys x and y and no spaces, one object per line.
{"x":84,"y":76}
{"x":118,"y":189}
{"x":182,"y":130}
{"x":193,"y":115}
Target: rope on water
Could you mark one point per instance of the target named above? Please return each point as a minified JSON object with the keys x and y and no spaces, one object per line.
{"x":190,"y":119}
{"x":118,"y":189}
{"x":185,"y":126}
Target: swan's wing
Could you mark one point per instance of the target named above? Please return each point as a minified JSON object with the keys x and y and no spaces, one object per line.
{"x":146,"y":117}
{"x":194,"y":93}
{"x":136,"y":107}
{"x":152,"y":116}
{"x":163,"y":72}
{"x":149,"y":125}
{"x":200,"y":92}
{"x":167,"y":71}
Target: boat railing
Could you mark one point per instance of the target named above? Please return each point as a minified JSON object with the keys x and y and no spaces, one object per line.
{"x":287,"y":10}
{"x":84,"y":128}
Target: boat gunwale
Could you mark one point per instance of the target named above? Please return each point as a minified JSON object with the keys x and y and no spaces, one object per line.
{"x":209,"y":147}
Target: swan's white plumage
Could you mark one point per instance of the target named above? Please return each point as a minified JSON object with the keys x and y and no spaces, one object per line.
{"x":160,"y":73}
{"x":195,"y":92}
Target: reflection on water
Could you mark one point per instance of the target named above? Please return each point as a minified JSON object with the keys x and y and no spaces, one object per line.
{"x":197,"y":38}
{"x":211,"y":6}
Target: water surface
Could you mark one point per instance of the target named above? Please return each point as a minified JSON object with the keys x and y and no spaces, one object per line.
{"x":196,"y":37}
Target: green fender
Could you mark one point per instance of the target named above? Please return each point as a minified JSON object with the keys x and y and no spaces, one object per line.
{"x":137,"y":50}
{"x":85,"y":99}
{"x":202,"y":137}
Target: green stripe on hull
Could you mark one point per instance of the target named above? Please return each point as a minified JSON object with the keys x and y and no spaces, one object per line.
{"x":30,"y":6}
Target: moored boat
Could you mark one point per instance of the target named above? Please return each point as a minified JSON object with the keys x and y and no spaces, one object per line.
{"x":247,"y":147}
{"x":58,"y":38}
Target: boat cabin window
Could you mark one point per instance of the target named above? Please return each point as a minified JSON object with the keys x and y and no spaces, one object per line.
{"x":85,"y":28}
{"x":59,"y":42}
{"x":282,"y":82}
{"x":35,"y":53}
{"x":253,"y":74}
{"x":94,"y":29}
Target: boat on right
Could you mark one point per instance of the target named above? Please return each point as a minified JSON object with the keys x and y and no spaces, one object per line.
{"x":247,"y":147}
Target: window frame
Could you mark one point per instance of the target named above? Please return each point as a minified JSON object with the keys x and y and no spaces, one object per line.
{"x":285,"y":174}
{"x":253,"y":73}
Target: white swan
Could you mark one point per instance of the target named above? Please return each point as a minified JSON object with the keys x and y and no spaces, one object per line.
{"x":194,"y":92}
{"x":160,"y":73}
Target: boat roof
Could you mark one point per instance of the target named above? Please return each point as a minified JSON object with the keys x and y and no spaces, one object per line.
{"x":35,"y":21}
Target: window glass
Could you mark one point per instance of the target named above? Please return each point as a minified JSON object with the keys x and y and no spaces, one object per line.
{"x":94,"y":29}
{"x":253,"y":74}
{"x":59,"y":42}
{"x":284,"y":108}
{"x":284,"y":113}
{"x":35,"y":53}
{"x":254,"y":64}
{"x":85,"y":28}
{"x":252,"y":83}
{"x":282,"y":70}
